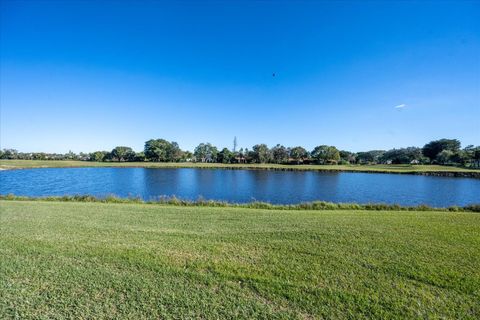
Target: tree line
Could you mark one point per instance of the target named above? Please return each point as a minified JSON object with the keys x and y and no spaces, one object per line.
{"x":443,"y":151}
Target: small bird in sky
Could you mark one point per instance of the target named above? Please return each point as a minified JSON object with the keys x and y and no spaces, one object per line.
{"x":273,"y":74}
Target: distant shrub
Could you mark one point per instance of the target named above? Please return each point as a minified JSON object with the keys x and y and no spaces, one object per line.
{"x":473,"y":207}
{"x":259,"y":205}
{"x":454,"y":209}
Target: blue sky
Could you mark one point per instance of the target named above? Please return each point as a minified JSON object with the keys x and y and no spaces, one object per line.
{"x":87,"y":76}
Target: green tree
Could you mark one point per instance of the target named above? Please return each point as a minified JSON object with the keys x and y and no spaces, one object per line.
{"x":279,"y":154}
{"x":445,"y":156}
{"x":70,"y":155}
{"x":186,"y":156}
{"x":403,"y":155}
{"x":298,"y":154}
{"x":161,"y":150}
{"x":225,"y":156}
{"x":261,"y":153}
{"x":347,"y":156}
{"x":325,"y":154}
{"x":372,"y":156}
{"x":174,"y":153}
{"x":38,"y":156}
{"x":98,"y":156}
{"x":239,"y":156}
{"x":476,"y":157}
{"x":205,"y":152}
{"x":139,"y":156}
{"x":433,"y":148}
{"x":121,"y":153}
{"x":10,"y":154}
{"x":467,"y":155}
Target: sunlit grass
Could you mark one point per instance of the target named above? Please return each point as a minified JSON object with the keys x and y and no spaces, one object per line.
{"x":104,"y":260}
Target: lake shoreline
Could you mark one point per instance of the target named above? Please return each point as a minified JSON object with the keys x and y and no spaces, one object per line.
{"x":426,"y":170}
{"x":178,"y":202}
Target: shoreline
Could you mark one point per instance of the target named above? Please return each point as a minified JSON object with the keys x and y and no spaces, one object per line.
{"x":426,"y":170}
{"x":177,"y":202}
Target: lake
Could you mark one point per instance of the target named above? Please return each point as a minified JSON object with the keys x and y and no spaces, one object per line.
{"x":279,"y":187}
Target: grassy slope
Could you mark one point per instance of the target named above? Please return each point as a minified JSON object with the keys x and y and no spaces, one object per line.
{"x":16,"y":164}
{"x":135,"y":261}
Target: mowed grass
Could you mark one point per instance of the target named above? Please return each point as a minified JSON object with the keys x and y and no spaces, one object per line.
{"x":402,"y":168}
{"x":98,"y":260}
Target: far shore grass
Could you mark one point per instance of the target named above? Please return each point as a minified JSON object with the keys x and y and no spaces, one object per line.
{"x":80,"y":260}
{"x":380,"y":168}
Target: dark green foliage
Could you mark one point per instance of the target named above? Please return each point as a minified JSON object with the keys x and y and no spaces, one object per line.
{"x":122,"y":154}
{"x":279,"y":154}
{"x":325,"y":154}
{"x":162,"y":151}
{"x":226,"y":156}
{"x":98,"y":156}
{"x":433,"y":148}
{"x":139,"y":157}
{"x":298,"y":154}
{"x":403,"y":156}
{"x":9,"y":154}
{"x":472,"y":207}
{"x":205,"y":152}
{"x":370,"y":157}
{"x":261,"y":153}
{"x":445,"y":157}
{"x":347,"y":156}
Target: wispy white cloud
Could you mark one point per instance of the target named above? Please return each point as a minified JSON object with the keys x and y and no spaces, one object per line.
{"x":400,"y":106}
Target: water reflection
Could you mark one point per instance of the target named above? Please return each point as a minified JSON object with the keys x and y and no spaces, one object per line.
{"x":243,"y":185}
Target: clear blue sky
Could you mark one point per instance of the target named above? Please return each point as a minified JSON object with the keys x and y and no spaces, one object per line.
{"x":91,"y":75}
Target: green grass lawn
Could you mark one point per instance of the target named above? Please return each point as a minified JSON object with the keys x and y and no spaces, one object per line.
{"x":97,"y":260}
{"x":18,"y":164}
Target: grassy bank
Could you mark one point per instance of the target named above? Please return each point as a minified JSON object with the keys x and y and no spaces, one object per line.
{"x":104,"y":260}
{"x":408,"y":169}
{"x":314,"y":205}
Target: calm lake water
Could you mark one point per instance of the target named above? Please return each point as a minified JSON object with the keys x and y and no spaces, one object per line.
{"x":280,"y":187}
